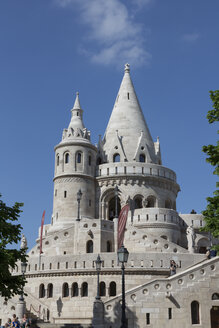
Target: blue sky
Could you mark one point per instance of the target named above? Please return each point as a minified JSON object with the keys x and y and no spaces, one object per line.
{"x":49,"y":49}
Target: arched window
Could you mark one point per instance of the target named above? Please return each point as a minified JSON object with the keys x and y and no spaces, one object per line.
{"x":65,"y":290}
{"x":167,"y":203}
{"x":57,"y":160}
{"x":195,"y":312}
{"x":41,"y":291}
{"x":112,"y":207}
{"x":79,"y":158}
{"x":50,"y":290}
{"x":138,"y":202}
{"x":102,"y":288}
{"x":215,"y":296}
{"x":84,"y":289}
{"x":142,"y":158}
{"x":112,"y":288}
{"x":90,"y":247}
{"x":150,"y":201}
{"x":99,"y":161}
{"x":89,"y":160}
{"x":74,"y":289}
{"x":67,"y":158}
{"x":116,"y":158}
{"x":108,"y":246}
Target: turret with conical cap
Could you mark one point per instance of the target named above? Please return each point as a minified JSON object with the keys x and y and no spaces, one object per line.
{"x":127,"y":130}
{"x":75,"y":161}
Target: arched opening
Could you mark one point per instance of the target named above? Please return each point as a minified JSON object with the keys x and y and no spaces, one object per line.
{"x":74,"y":289}
{"x":50,"y":290}
{"x":150,"y":201}
{"x":67,"y":158}
{"x":138,"y":202}
{"x":89,"y":160}
{"x":57,"y":160}
{"x":142,"y":158}
{"x":215,"y":296}
{"x":215,"y":317}
{"x":65,"y":290}
{"x":167,"y":203}
{"x":79,"y":158}
{"x":84,"y":289}
{"x":112,"y":288}
{"x":99,"y":161}
{"x":195,"y":312}
{"x":102,"y":289}
{"x":116,"y":158}
{"x":47,"y":314}
{"x":89,"y":246}
{"x":112,"y":207}
{"x":41,"y":291}
{"x":203,"y":244}
{"x":108,"y":246}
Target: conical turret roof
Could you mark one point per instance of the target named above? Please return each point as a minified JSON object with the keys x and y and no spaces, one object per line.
{"x":77,"y":115}
{"x":76,"y":129}
{"x":127,"y":129}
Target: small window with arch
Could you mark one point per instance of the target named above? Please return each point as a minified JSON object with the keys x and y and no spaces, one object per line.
{"x":79,"y":158}
{"x":66,"y":158}
{"x":142,"y":158}
{"x":116,"y":158}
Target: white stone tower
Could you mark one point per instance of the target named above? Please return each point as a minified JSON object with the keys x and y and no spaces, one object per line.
{"x":130,"y":159}
{"x":75,"y":160}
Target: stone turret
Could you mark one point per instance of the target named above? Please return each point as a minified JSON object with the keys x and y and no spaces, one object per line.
{"x":127,"y":134}
{"x":128,"y":157}
{"x":75,"y":160}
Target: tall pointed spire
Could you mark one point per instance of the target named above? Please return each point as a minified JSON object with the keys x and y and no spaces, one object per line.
{"x":127,"y":124}
{"x":77,"y":115}
{"x":76,"y":127}
{"x":77,"y":104}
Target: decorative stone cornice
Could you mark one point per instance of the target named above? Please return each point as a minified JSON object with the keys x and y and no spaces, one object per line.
{"x":103,"y":272}
{"x":83,"y":143}
{"x":156,"y":181}
{"x":77,"y":177}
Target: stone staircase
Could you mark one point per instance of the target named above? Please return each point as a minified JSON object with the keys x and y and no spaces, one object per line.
{"x":187,"y":279}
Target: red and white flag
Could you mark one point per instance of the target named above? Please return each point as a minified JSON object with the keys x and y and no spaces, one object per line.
{"x":41,"y":232}
{"x":122,"y":223}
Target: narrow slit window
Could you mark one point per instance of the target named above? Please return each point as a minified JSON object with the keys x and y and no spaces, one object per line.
{"x":147,"y":318}
{"x":169,"y":313}
{"x":67,"y":158}
{"x":79,"y":158}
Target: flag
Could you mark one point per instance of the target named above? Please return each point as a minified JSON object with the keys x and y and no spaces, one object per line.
{"x":41,"y":232}
{"x":122,"y":223}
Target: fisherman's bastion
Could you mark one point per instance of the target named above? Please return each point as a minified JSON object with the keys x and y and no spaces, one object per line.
{"x":92,"y":183}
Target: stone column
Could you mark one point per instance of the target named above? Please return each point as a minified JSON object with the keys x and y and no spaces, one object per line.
{"x":115,"y":220}
{"x":98,"y":314}
{"x":20,"y":309}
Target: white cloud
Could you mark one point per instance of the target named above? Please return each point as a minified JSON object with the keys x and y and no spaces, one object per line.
{"x":191,"y":37}
{"x":118,"y":37}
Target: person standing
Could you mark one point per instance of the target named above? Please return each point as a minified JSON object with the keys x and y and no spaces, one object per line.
{"x":172,"y":267}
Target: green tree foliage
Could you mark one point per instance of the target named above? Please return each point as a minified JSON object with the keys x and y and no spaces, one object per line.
{"x":211,"y":214}
{"x":10,"y":233}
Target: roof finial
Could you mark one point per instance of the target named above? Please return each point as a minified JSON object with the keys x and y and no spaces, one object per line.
{"x":127,"y":68}
{"x":77,"y":102}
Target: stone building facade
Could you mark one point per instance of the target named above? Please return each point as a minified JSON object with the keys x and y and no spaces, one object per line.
{"x":62,"y":281}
